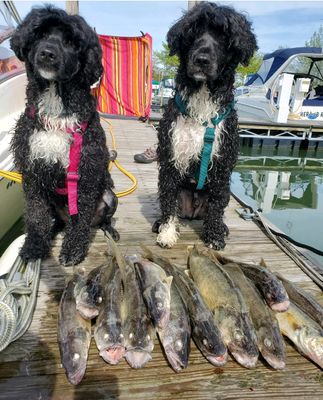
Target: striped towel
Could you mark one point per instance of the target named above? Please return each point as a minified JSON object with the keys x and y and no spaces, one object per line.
{"x":126,"y":85}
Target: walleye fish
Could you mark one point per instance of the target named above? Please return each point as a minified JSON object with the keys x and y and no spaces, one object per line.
{"x":175,"y":336}
{"x":271,"y":287}
{"x":304,"y":301}
{"x":305,"y":333}
{"x":155,"y":290}
{"x":90,"y":296}
{"x":73,"y":333}
{"x":230,"y":312}
{"x":269,"y":339}
{"x":138,"y":328}
{"x":205,"y":333}
{"x":108,"y":332}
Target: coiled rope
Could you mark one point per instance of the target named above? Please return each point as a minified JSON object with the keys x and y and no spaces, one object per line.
{"x":18,"y":294}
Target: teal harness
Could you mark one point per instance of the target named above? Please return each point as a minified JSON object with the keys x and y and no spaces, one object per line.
{"x":209,"y":137}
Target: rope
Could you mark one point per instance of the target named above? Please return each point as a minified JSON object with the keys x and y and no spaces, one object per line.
{"x":18,"y":294}
{"x":286,"y":243}
{"x":16,"y":176}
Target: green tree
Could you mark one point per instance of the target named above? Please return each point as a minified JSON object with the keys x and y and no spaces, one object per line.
{"x":316,"y":39}
{"x":242,"y":72}
{"x":164,"y":65}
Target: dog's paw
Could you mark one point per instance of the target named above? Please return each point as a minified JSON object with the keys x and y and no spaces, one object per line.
{"x":68,"y":259}
{"x":216,"y":244}
{"x":168,"y":234}
{"x":212,"y":241}
{"x":34,"y":249}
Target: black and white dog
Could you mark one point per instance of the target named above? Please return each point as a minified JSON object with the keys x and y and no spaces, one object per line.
{"x":210,"y":41}
{"x":58,"y":144}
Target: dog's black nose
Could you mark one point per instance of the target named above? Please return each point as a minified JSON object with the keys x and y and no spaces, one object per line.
{"x":202,"y":59}
{"x":48,"y":55}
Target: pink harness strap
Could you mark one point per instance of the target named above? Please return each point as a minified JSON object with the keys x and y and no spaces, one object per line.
{"x":72,"y":176}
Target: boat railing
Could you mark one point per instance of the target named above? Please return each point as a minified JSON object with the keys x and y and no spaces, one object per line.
{"x":11,"y":74}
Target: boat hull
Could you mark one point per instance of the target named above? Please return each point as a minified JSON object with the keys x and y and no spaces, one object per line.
{"x":12,"y":103}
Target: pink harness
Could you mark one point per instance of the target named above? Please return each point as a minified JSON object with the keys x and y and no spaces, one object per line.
{"x":72,"y":176}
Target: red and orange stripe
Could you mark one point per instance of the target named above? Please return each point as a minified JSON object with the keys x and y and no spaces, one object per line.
{"x":125,"y":87}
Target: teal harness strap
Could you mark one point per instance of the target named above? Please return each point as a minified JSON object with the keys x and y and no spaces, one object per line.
{"x":209,"y":137}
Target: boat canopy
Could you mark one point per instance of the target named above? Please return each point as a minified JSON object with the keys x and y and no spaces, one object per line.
{"x":275,"y":60}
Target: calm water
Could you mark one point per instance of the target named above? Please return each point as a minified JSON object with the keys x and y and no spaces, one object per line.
{"x":287,"y":186}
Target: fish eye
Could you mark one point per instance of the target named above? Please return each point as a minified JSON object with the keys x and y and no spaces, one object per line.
{"x":159,"y":305}
{"x":178,"y":345}
{"x":205,"y":342}
{"x":85,"y":295}
{"x":130,"y":335}
{"x":268,"y":342}
{"x":238,"y":335}
{"x":148,"y":337}
{"x":106,"y":336}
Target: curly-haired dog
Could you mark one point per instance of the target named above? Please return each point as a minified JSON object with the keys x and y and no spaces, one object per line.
{"x":58,"y":144}
{"x":210,"y":41}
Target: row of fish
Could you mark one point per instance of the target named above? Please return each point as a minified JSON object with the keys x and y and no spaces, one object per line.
{"x":221,"y":307}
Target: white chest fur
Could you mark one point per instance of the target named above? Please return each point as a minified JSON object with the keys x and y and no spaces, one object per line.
{"x":188,"y":131}
{"x":52,"y":144}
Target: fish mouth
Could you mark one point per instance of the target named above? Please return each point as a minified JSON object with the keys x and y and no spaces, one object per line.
{"x":76,"y":377}
{"x":137,"y":358}
{"x":280,"y":307}
{"x":245,"y":360}
{"x":176,"y":363}
{"x":274,"y":362}
{"x":87,"y":312}
{"x":113,"y":355}
{"x":218,"y":361}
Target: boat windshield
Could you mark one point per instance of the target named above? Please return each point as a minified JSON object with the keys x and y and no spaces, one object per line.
{"x":307,"y":67}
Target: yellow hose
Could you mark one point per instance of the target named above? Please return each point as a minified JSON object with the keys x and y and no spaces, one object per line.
{"x":16,"y":176}
{"x":133,"y":179}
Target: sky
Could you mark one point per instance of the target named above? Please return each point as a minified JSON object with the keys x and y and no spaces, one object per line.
{"x":275,"y":23}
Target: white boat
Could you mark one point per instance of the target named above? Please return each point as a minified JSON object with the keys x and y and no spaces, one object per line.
{"x":12,"y":102}
{"x":286,"y":92}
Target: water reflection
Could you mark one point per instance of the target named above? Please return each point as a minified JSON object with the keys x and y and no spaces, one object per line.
{"x":288,"y":188}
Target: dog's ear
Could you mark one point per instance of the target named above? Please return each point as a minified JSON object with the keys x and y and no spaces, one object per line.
{"x":242,"y":39}
{"x":93,"y":64}
{"x":92,"y":52}
{"x":174,"y":38}
{"x":22,"y":36}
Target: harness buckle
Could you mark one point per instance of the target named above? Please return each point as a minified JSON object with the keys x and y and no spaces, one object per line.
{"x":73,"y":176}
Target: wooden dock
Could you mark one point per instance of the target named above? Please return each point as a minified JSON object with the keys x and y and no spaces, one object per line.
{"x":30,"y":367}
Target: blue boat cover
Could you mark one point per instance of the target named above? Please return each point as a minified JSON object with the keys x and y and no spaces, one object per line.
{"x":279,"y":57}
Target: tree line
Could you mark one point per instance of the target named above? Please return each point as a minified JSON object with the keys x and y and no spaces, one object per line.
{"x":165,"y":66}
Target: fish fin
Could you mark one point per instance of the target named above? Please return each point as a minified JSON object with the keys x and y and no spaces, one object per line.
{"x":117,"y":254}
{"x":169,"y":280}
{"x":188,"y":273}
{"x":263,"y":263}
{"x":146,"y":252}
{"x":189,"y":249}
